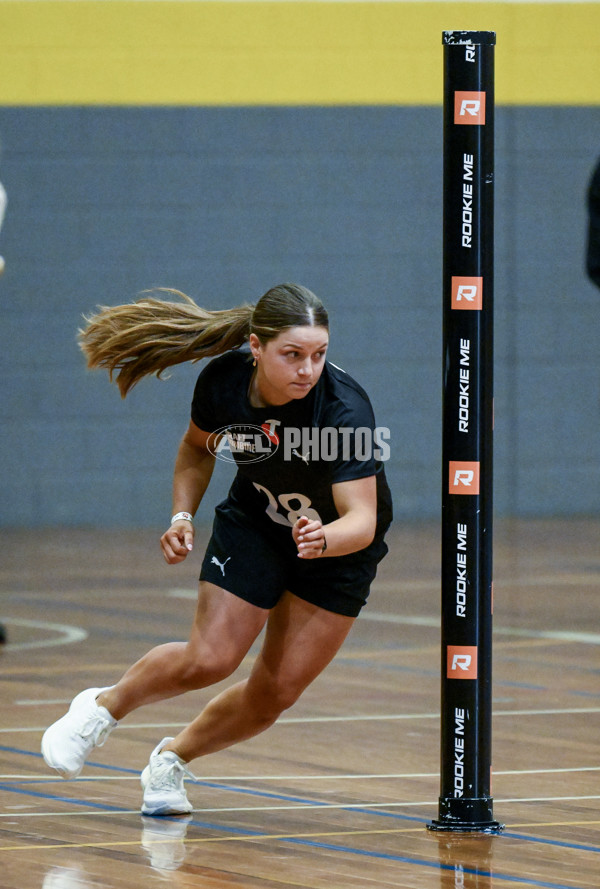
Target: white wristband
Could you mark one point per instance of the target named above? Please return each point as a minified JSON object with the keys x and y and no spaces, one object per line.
{"x":182,"y":516}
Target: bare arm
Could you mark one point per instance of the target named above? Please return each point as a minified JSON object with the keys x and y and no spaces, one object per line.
{"x":356,"y":503}
{"x":193,"y":470}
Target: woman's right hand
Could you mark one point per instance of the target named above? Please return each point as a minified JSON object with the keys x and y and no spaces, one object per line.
{"x":177,"y":541}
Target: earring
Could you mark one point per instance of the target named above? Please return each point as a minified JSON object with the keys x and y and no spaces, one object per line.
{"x":254,"y":363}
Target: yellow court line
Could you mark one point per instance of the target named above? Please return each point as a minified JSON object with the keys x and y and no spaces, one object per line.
{"x":275,"y":836}
{"x":554,"y":824}
{"x":227,"y":839}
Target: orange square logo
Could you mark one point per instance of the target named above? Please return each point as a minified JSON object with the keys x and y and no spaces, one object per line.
{"x":463,"y":477}
{"x":467,"y":293}
{"x":469,"y":107}
{"x":461,"y":662}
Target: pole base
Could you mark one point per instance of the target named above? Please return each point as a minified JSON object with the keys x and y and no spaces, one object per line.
{"x":467,"y":827}
{"x":466,"y":815}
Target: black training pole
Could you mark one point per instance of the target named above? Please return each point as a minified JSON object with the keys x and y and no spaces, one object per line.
{"x":465,"y":802}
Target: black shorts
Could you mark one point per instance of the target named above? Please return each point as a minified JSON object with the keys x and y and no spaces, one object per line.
{"x":243,"y":559}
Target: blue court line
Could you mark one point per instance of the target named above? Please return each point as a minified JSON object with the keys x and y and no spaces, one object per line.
{"x":201,"y":783}
{"x":309,"y":802}
{"x":97,"y":765}
{"x":87,"y":804}
{"x":37,"y":794}
{"x":378,"y":813}
{"x":435,"y":865}
{"x":559,"y":843}
{"x":301,"y":841}
{"x":263,"y":794}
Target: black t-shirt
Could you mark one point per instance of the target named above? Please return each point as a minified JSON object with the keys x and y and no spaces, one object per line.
{"x":289,"y":456}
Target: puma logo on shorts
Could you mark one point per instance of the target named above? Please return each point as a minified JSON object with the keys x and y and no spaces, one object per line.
{"x":215,"y":561}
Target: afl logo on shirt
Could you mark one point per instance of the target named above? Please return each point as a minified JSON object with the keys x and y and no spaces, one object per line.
{"x":244,"y":443}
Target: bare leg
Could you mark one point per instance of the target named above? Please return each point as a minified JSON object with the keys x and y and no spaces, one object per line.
{"x":224,"y":629}
{"x":300,"y":641}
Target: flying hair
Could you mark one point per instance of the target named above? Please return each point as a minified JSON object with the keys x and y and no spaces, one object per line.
{"x":152,"y":334}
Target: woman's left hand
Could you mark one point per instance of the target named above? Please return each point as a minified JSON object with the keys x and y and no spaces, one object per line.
{"x":309,"y":537}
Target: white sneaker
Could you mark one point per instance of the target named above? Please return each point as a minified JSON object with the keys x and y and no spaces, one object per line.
{"x":162,"y":781}
{"x":69,"y":741}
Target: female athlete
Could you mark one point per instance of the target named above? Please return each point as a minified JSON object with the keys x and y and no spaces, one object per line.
{"x":295,"y":545}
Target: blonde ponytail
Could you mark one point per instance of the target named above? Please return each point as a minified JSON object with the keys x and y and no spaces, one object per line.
{"x":151,"y":334}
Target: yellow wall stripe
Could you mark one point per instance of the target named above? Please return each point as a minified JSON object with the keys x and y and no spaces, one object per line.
{"x":316,"y":53}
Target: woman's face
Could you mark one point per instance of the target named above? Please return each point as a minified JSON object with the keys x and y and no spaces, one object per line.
{"x":288,"y":366}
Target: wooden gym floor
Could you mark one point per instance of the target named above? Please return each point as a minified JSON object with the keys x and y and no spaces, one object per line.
{"x":337,"y":794}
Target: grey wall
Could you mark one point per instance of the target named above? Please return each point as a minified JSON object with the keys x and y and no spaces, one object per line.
{"x":224,"y":203}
